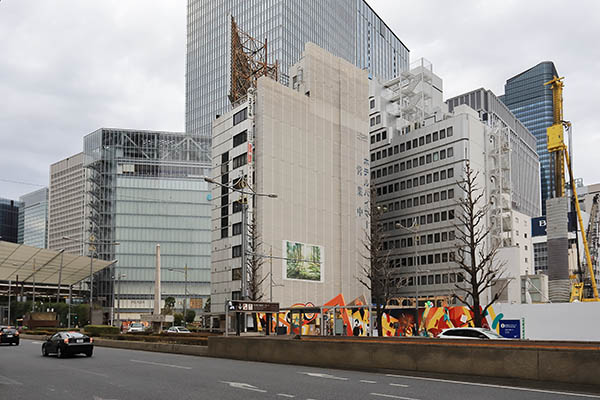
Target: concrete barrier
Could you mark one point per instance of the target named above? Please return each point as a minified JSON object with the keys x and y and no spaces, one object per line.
{"x":547,"y":361}
{"x":144,"y":346}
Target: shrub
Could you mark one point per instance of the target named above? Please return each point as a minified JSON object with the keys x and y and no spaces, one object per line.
{"x":98,"y":330}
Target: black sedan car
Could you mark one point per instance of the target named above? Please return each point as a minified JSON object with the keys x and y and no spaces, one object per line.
{"x":8,"y":334}
{"x":68,"y":343}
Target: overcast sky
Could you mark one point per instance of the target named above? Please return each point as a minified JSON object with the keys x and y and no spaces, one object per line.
{"x":68,"y":67}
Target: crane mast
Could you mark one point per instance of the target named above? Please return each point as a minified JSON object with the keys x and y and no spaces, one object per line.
{"x":559,"y":154}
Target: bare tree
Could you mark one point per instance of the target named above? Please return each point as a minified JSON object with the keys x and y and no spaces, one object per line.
{"x":377,"y":272}
{"x":255,"y":262}
{"x":476,"y":252}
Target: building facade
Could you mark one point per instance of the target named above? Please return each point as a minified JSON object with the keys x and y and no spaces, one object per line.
{"x":349,"y":29}
{"x":65,"y":205}
{"x":144,"y":188}
{"x":419,"y":152}
{"x":522,"y":161}
{"x":9,"y":220}
{"x":308,"y":145}
{"x":531,"y":102}
{"x":35,"y":218}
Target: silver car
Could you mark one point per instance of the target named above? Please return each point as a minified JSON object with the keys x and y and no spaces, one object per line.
{"x":178,"y":329}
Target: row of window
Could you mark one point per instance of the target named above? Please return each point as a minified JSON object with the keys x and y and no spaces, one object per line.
{"x":417,"y":161}
{"x":376,"y":137}
{"x":414,"y":182}
{"x":375,"y":120}
{"x":437,"y":279}
{"x":438,"y":237}
{"x":423,"y":220}
{"x":428,"y":259}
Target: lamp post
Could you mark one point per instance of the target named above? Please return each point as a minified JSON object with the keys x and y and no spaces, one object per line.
{"x":244,"y":202}
{"x":119,"y":276}
{"x":92,"y":249}
{"x":184,"y":271}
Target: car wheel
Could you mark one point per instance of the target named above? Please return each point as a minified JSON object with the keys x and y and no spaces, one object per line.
{"x":59,"y":352}
{"x":44,"y":351}
{"x":89,"y":353}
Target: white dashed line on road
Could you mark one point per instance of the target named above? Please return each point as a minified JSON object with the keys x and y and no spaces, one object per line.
{"x":7,"y":381}
{"x":160,"y":364}
{"x":365,"y":381}
{"x":391,"y":396}
{"x":398,"y":385}
{"x":326,"y":376}
{"x":285,"y":395}
{"x":245,"y":386}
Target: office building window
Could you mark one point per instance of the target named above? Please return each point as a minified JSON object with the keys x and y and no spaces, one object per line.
{"x":240,"y":116}
{"x":240,"y":138}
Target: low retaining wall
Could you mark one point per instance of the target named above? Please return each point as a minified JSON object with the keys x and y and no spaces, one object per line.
{"x":145,"y":346}
{"x":565,"y":362}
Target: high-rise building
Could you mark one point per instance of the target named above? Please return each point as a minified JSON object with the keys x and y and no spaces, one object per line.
{"x":419,"y":153}
{"x":35,"y":218}
{"x":144,"y":188}
{"x":65,"y":205}
{"x":9,"y":220}
{"x":523,"y":166}
{"x":349,"y":29}
{"x":531,"y":102}
{"x":306,"y":143}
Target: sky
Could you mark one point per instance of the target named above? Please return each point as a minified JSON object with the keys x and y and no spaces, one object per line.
{"x":69,"y":67}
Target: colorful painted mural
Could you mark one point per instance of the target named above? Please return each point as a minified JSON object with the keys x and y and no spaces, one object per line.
{"x":396,"y":321}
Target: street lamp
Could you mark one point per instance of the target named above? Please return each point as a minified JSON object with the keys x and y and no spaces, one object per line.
{"x":184,"y":271}
{"x":244,"y":223}
{"x":119,"y":276}
{"x":92,"y":249}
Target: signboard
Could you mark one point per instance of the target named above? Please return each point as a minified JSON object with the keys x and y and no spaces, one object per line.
{"x":538,"y":224}
{"x":303,"y":261}
{"x":196,"y":303}
{"x":510,"y":328}
{"x":253,"y":306}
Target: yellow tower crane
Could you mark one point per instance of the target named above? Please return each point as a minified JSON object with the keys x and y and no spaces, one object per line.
{"x":558,"y":151}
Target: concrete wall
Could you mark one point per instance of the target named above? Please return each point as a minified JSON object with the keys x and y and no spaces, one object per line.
{"x":550,"y":362}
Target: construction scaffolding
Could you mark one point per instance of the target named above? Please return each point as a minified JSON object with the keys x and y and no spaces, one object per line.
{"x":248,"y":63}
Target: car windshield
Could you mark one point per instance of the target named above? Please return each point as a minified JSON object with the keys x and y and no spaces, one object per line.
{"x":137,"y":325}
{"x":72,"y":335}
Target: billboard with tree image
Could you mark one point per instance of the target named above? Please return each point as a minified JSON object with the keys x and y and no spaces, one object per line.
{"x":303,"y":261}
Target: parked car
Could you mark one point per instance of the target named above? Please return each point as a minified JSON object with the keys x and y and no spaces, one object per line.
{"x":136,"y":327}
{"x":68,"y":343}
{"x":9,"y":334}
{"x":178,"y":329}
{"x":469,"y":333}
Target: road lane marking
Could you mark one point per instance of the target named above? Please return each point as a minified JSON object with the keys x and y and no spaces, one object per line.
{"x":6,"y":380}
{"x":496,"y":386}
{"x":399,"y":385}
{"x":365,"y":381}
{"x":245,"y":386}
{"x":160,"y":364}
{"x":285,"y":395}
{"x":37,"y":342}
{"x":326,"y":376}
{"x":391,"y":396}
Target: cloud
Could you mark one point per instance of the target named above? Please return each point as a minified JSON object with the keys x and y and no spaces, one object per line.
{"x":69,"y":67}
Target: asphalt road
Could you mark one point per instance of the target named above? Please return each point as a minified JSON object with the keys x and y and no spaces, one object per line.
{"x":137,"y":375}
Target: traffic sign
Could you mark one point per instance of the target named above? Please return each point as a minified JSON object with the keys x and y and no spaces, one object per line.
{"x":254,"y":306}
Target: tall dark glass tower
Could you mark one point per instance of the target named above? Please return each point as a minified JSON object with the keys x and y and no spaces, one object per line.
{"x":531,"y":102}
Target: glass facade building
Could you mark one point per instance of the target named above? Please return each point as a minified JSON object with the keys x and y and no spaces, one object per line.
{"x":9,"y":220}
{"x":531,"y":102}
{"x":35,"y":218}
{"x":349,"y":29}
{"x":143,"y":189}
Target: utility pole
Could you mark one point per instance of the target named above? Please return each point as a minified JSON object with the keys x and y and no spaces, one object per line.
{"x":185,"y":297}
{"x":9,"y":289}
{"x":244,"y":247}
{"x":33,"y":299}
{"x":60,"y":275}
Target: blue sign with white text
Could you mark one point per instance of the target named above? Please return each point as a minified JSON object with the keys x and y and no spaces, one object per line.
{"x":510,"y":328}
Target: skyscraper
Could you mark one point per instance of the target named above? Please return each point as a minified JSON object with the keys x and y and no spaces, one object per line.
{"x":531,"y":102}
{"x":35,"y":218}
{"x":143,"y":189}
{"x":9,"y":220}
{"x":65,"y":205}
{"x":349,"y":29}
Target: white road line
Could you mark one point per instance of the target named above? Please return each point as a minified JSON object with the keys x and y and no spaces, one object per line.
{"x":326,"y":376}
{"x":285,"y":395}
{"x":391,"y":396}
{"x":365,"y":381}
{"x":496,"y":386}
{"x":160,"y":364}
{"x":36,"y":342}
{"x":8,"y":381}
{"x":398,"y":384}
{"x":245,"y":386}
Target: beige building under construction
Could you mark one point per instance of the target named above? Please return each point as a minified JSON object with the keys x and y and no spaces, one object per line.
{"x":307,"y":144}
